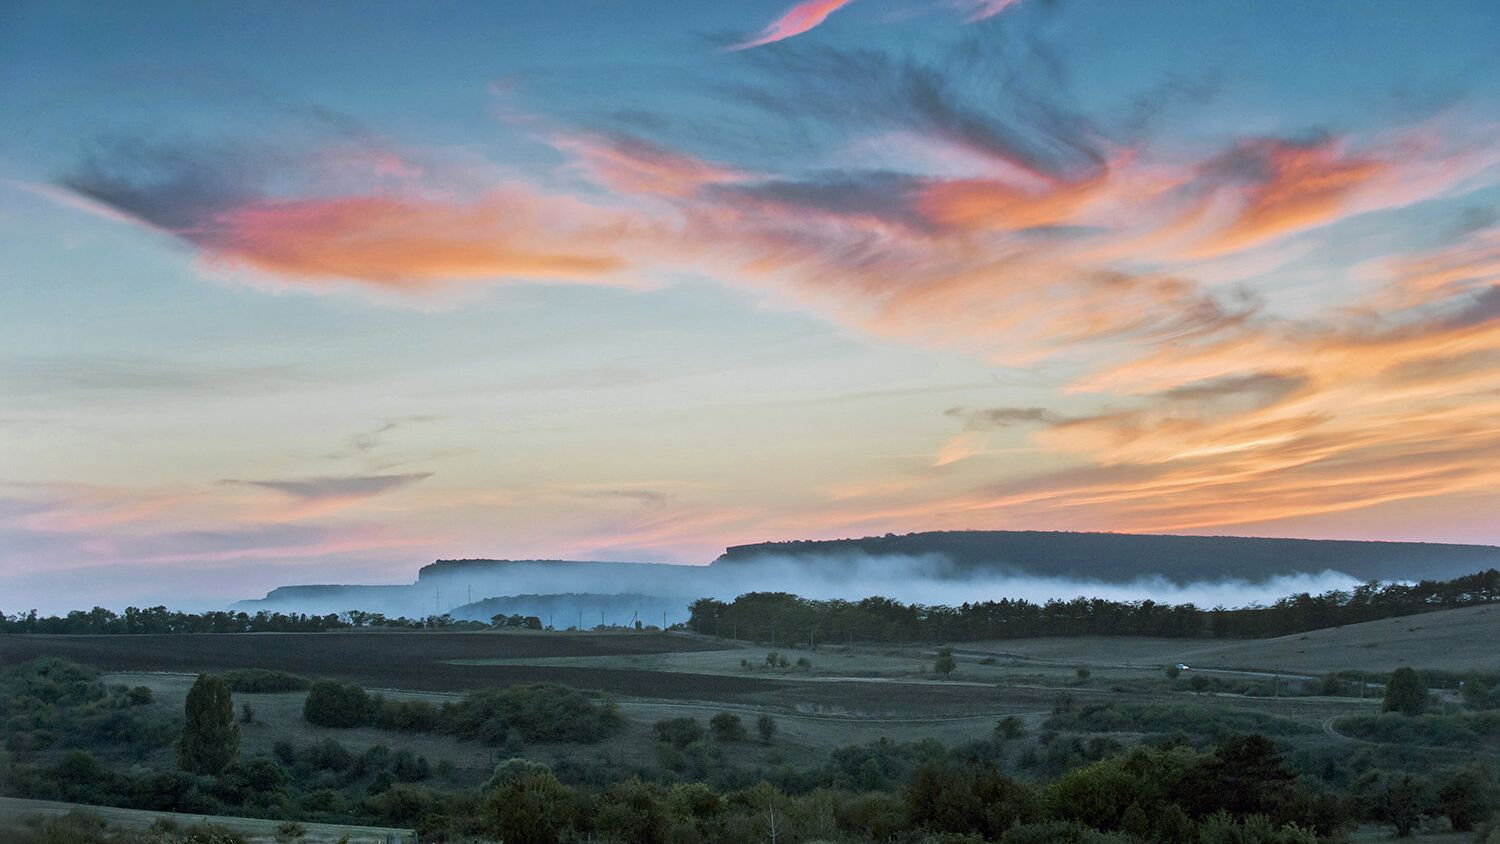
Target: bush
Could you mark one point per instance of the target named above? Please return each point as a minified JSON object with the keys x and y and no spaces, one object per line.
{"x":537,"y":713}
{"x":1010,"y":727}
{"x":970,"y":798}
{"x":1172,"y":719}
{"x":529,"y":808}
{"x":679,"y":732}
{"x":333,"y":704}
{"x":1405,"y":693}
{"x":765,"y":725}
{"x":945,"y":663}
{"x":727,"y":727}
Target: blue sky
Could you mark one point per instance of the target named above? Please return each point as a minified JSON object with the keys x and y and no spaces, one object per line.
{"x":303,"y":292}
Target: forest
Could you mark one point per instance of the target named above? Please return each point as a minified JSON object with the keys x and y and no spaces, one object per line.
{"x":783,"y":617}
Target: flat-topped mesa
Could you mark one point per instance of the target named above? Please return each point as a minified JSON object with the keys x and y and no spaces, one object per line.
{"x":488,"y":578}
{"x":452,"y":568}
{"x":1119,"y":557}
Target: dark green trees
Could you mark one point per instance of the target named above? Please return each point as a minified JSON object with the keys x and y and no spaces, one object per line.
{"x":331,"y":704}
{"x":727,"y":727}
{"x":1405,"y":693}
{"x":210,"y":739}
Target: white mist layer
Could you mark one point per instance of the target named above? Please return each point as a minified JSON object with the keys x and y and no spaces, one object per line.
{"x":929,"y":579}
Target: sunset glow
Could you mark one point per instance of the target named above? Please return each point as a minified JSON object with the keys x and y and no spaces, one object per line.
{"x":341,"y":303}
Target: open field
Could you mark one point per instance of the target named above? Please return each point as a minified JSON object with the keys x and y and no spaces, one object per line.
{"x":396,"y":660}
{"x":13,"y":811}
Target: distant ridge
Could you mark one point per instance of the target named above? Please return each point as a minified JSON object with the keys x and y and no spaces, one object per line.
{"x":1116,"y":557}
{"x":448,"y":585}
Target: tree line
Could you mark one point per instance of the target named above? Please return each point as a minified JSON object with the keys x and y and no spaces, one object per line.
{"x":159,"y":619}
{"x":781,"y":617}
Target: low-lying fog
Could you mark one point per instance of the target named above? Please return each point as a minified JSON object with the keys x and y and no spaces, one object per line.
{"x":618,"y":592}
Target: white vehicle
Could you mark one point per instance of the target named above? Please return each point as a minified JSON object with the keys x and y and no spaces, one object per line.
{"x":1183,"y":666}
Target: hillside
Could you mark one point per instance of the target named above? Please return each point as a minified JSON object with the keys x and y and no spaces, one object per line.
{"x":1117,"y":557}
{"x":1453,"y":640}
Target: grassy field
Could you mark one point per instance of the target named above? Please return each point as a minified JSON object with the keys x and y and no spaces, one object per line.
{"x":14,"y":811}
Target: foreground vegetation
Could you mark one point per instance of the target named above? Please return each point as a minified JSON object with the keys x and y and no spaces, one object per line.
{"x":1195,"y":774}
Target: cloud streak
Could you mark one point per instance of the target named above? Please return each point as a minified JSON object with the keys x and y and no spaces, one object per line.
{"x":794,"y":21}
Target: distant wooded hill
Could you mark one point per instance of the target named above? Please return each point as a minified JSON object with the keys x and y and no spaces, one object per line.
{"x":1117,"y":557}
{"x":446,"y":585}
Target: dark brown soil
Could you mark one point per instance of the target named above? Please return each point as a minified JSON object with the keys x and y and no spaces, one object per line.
{"x":399,"y":660}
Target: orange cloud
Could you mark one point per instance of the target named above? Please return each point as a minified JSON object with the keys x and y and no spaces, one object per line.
{"x":404,"y":241}
{"x":794,"y":21}
{"x":1288,"y":187}
{"x":634,"y":166}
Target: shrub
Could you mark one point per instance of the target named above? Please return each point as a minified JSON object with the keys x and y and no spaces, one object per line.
{"x":727,"y":727}
{"x":765,"y":725}
{"x":333,"y":704}
{"x":945,"y":663}
{"x":680,"y":732}
{"x":529,"y":808}
{"x":969,"y":798}
{"x":537,"y":713}
{"x":1010,"y":727}
{"x":1465,"y":797}
{"x":1405,"y":693}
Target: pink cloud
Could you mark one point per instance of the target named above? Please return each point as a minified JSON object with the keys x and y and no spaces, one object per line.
{"x":794,"y":21}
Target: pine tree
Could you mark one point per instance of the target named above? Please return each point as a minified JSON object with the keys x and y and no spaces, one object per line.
{"x":210,"y":738}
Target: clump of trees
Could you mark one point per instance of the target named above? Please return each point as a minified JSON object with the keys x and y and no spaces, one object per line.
{"x":757,"y":615}
{"x":533,"y":713}
{"x":49,"y":703}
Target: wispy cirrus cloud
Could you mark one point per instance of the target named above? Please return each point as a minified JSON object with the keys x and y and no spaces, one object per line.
{"x":319,"y":495}
{"x":794,"y":21}
{"x":331,"y":214}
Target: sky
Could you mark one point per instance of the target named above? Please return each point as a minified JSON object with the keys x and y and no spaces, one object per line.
{"x":300,"y":293}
